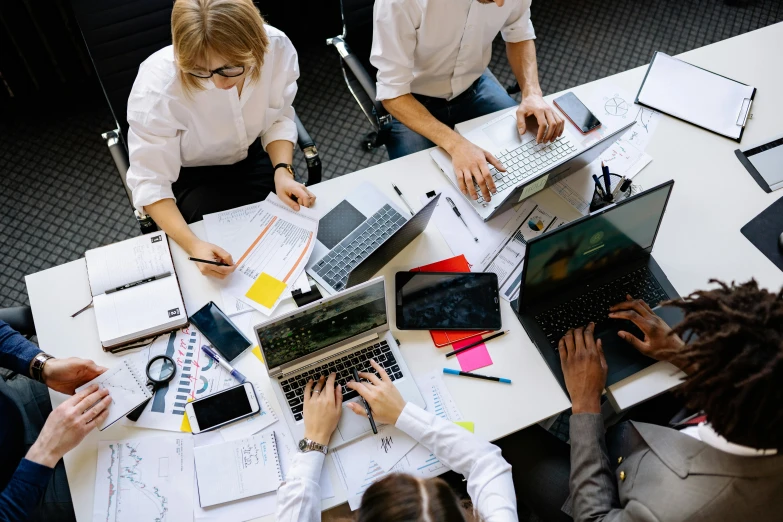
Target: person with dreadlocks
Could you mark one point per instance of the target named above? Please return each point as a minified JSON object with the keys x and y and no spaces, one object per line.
{"x":728,"y":467}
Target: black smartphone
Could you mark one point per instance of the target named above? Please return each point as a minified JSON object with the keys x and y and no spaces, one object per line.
{"x":447,"y":301}
{"x":221,"y":333}
{"x":577,"y":113}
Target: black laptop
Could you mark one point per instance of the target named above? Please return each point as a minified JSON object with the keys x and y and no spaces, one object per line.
{"x":573,"y":274}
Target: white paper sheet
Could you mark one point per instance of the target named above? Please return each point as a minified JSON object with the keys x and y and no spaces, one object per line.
{"x":437,"y":397}
{"x":390,"y":445}
{"x":145,"y":480}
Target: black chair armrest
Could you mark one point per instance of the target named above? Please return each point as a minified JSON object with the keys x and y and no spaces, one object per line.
{"x":20,"y":318}
{"x":358,"y":70}
{"x":310,"y":151}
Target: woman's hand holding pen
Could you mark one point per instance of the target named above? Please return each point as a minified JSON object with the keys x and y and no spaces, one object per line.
{"x":323,"y":404}
{"x":384,"y":398}
{"x":204,"y":250}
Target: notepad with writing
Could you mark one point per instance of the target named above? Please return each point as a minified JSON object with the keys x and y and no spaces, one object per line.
{"x":237,"y":469}
{"x":127,"y":387}
{"x":144,"y":309}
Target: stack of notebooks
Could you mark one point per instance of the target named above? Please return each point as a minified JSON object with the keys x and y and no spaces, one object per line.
{"x":135,"y":291}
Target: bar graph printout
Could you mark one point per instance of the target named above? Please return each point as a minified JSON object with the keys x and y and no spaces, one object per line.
{"x":145,"y":480}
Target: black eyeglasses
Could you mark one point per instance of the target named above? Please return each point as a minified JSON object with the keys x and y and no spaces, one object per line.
{"x":229,"y":71}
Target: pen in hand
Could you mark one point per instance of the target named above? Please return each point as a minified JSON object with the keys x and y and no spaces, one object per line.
{"x":366,"y":406}
{"x":456,"y":211}
{"x":207,"y":261}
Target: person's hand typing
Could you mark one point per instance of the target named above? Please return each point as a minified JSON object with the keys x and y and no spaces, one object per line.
{"x":659,"y":341}
{"x":210,"y":252}
{"x":323,"y":404}
{"x":381,"y":394}
{"x":65,"y":375}
{"x":286,"y":187}
{"x":470,"y":164}
{"x":68,"y":424}
{"x":550,"y":123}
{"x":584,"y":369}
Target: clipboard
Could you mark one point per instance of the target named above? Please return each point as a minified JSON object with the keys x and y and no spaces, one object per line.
{"x":681,"y":100}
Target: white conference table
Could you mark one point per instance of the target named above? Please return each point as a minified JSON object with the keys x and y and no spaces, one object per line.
{"x":699,"y":239}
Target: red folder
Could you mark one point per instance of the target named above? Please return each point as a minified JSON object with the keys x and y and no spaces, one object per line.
{"x":453,"y":264}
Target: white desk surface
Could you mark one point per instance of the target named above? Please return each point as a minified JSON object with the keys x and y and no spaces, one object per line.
{"x":700,"y":239}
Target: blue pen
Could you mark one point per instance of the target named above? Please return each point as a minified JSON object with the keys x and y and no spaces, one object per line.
{"x":607,"y":179}
{"x":476,"y":376}
{"x":230,"y":369}
{"x":598,"y":186}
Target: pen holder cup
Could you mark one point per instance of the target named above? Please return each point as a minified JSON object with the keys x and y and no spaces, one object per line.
{"x":599,"y":201}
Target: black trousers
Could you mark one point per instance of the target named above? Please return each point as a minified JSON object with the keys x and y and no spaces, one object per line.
{"x":204,"y":190}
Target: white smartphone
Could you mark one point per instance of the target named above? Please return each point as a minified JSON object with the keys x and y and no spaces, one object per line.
{"x":221,"y":408}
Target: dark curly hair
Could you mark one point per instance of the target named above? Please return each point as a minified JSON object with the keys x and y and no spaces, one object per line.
{"x":734,"y":356}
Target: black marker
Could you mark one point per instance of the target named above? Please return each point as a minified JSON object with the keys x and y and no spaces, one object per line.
{"x":137,"y":283}
{"x":366,"y":406}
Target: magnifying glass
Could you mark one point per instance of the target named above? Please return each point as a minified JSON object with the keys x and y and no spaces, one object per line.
{"x":160,"y":370}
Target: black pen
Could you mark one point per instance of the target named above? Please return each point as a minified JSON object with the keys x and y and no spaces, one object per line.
{"x":472,"y":345}
{"x":366,"y":406}
{"x":137,"y":283}
{"x":207,"y":261}
{"x":399,"y":193}
{"x":456,"y":211}
{"x":607,"y":178}
{"x":476,"y":376}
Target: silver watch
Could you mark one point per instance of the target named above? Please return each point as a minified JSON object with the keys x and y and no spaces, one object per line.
{"x":37,"y":366}
{"x":306,"y":445}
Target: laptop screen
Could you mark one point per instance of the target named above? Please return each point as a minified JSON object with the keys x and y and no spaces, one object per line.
{"x":330,"y":322}
{"x":594,"y":243}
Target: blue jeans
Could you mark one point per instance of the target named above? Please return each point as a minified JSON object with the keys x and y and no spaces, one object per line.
{"x":486,"y":95}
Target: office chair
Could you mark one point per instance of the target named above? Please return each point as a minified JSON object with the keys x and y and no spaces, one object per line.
{"x":121,"y":35}
{"x":20,"y":318}
{"x":358,"y":72}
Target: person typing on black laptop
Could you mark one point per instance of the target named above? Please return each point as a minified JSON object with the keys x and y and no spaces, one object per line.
{"x":722,"y":465}
{"x":397,"y":497}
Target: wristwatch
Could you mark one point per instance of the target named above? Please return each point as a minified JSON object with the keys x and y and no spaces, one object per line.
{"x":306,"y":445}
{"x":37,"y":366}
{"x":286,"y":166}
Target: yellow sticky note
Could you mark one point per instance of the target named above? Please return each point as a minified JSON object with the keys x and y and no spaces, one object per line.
{"x":467,"y":425}
{"x":265,"y":290}
{"x":185,"y":426}
{"x":257,"y":352}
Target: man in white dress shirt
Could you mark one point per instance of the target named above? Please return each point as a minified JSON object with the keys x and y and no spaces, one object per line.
{"x":432,"y":58}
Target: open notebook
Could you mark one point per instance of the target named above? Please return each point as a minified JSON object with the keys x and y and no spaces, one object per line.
{"x":145,"y":309}
{"x":237,"y":469}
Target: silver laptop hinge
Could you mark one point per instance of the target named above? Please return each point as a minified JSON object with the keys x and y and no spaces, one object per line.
{"x":320,"y":362}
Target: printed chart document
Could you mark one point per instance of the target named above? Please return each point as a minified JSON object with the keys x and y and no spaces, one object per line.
{"x":275,"y":244}
{"x":237,"y":469}
{"x":126,"y":383}
{"x":144,"y":480}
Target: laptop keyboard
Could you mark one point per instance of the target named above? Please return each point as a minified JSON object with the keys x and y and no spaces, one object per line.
{"x":360,"y":359}
{"x":593,"y":305}
{"x":335,"y":266}
{"x":527,"y":160}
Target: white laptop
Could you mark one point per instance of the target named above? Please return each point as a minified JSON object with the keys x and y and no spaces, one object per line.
{"x":334,"y":334}
{"x":530,"y":166}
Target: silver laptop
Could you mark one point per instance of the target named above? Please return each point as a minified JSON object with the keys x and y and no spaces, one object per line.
{"x":360,"y":235}
{"x":530,"y":166}
{"x":334,"y":334}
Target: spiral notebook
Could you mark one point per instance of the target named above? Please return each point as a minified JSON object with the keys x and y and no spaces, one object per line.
{"x":237,"y":469}
{"x":127,"y":385}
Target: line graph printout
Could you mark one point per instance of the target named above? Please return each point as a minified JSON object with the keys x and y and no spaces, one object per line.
{"x":126,"y":385}
{"x":145,"y":480}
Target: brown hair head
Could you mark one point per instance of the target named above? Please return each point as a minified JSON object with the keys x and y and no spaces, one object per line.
{"x":735,"y":361}
{"x":231,"y":29}
{"x":403,"y":498}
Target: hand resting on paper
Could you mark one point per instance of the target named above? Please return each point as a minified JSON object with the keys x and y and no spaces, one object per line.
{"x":204,"y":250}
{"x":323,"y":404}
{"x":65,"y":375}
{"x":381,"y":394}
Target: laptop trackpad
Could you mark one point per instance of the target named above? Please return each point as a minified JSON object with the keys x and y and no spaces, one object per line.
{"x":352,"y":425}
{"x":622,"y":359}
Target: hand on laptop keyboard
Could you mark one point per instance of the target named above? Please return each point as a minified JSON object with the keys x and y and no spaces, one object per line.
{"x":381,"y":394}
{"x":584,"y":369}
{"x":323,"y":403}
{"x":658,"y":342}
{"x":470,"y":165}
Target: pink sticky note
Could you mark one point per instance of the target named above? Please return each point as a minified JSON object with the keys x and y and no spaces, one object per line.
{"x":475,"y":358}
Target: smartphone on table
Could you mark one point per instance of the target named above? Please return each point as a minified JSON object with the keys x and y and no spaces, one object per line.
{"x":221,"y":408}
{"x":577,"y":113}
{"x":447,"y":301}
{"x":221,"y":333}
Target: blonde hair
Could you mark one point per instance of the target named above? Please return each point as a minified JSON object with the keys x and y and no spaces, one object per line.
{"x":232,"y":29}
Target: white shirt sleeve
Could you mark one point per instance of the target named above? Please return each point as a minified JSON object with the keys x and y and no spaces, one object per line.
{"x":490,"y":484}
{"x":280,"y":113}
{"x":393,"y":45}
{"x":154,"y":152}
{"x":299,"y":497}
{"x":519,"y":27}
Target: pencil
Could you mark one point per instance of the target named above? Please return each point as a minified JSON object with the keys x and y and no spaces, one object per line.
{"x":472,"y":345}
{"x":207,"y":261}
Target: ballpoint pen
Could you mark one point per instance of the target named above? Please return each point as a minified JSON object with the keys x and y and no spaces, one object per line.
{"x":399,"y":193}
{"x":218,"y":359}
{"x":472,"y":345}
{"x":599,"y":187}
{"x":207,"y":261}
{"x":607,"y":179}
{"x":618,"y":187}
{"x":366,"y":406}
{"x":456,"y":211}
{"x":476,"y":376}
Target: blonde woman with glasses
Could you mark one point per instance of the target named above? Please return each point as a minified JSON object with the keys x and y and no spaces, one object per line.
{"x":211,"y":122}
